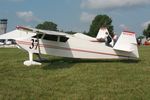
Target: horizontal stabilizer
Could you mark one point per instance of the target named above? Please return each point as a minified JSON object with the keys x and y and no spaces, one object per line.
{"x":127,"y":48}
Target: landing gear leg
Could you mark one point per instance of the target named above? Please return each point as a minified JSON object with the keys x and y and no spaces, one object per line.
{"x":30,"y":61}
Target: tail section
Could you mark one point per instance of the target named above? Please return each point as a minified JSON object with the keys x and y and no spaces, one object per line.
{"x":102,"y":34}
{"x":127,"y":42}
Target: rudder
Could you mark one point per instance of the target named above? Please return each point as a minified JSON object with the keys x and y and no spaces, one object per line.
{"x":127,"y":42}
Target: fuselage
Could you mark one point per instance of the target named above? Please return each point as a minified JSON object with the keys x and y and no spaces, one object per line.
{"x":72,"y":47}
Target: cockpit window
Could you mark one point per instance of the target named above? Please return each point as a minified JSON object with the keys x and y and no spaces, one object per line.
{"x":51,"y":37}
{"x":63,"y":39}
{"x":38,"y":36}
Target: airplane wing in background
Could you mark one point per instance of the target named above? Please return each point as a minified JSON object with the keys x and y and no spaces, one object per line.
{"x":17,"y":34}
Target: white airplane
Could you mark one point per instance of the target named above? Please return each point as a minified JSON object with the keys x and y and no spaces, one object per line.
{"x":36,"y":41}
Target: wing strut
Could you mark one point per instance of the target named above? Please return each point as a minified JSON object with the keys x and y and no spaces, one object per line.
{"x":39,"y":54}
{"x":39,"y":50}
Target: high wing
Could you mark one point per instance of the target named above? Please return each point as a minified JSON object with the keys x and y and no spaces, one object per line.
{"x":26,"y":32}
{"x":34,"y":30}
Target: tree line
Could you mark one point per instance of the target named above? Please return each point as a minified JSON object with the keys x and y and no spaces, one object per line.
{"x":98,"y":21}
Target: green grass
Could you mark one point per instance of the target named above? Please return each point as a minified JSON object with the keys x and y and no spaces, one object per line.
{"x":65,"y":79}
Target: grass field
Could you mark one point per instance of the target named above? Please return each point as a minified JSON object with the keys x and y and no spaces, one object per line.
{"x":65,"y":79}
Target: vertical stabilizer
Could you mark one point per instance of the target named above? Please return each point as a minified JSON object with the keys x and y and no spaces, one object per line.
{"x":127,"y":42}
{"x":102,"y":33}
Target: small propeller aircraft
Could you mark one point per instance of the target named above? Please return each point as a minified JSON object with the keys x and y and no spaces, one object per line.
{"x":36,"y":41}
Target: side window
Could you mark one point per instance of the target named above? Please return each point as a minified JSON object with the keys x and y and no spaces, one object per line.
{"x":38,"y":36}
{"x":50,"y":37}
{"x":63,"y":39}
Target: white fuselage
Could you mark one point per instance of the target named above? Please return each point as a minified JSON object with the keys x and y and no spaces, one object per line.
{"x":73,"y":48}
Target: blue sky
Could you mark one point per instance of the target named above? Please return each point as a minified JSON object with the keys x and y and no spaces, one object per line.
{"x":76,"y":15}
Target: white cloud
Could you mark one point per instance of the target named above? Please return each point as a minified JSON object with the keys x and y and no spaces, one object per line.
{"x":107,"y":4}
{"x":145,"y":24}
{"x":27,"y":16}
{"x":123,"y":26}
{"x":86,"y":17}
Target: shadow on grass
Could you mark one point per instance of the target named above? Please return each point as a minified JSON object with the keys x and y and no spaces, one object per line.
{"x":61,"y":63}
